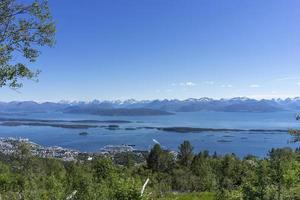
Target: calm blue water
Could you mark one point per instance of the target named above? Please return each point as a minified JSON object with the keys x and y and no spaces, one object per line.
{"x":240,"y":143}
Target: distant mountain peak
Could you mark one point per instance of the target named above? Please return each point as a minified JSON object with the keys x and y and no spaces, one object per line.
{"x":241,"y":99}
{"x":236,"y":104}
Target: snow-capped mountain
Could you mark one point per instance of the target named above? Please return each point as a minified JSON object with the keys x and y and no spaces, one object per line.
{"x":237,"y":104}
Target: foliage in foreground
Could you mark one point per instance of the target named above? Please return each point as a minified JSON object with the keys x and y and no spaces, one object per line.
{"x":183,"y":176}
{"x":189,"y":196}
{"x":25,"y":27}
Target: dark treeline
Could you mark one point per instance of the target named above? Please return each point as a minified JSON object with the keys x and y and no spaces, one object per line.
{"x":276,"y":177}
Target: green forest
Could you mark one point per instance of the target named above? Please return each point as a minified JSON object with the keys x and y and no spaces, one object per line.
{"x":186,"y":175}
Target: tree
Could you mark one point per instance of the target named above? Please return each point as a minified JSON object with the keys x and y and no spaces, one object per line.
{"x":158,"y":159}
{"x":202,"y":168}
{"x":185,"y":155}
{"x":103,"y":169}
{"x":153,"y":160}
{"x":229,"y":175}
{"x":5,"y":178}
{"x":256,"y":182}
{"x":23,"y":29}
{"x":127,"y":189}
{"x":262,"y":180}
{"x":279,"y":159}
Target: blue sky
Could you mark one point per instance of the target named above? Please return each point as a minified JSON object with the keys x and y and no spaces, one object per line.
{"x":149,"y":49}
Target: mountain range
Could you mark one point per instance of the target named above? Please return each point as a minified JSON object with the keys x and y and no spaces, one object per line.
{"x":154,"y":107}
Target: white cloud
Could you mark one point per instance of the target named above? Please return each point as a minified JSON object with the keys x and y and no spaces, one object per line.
{"x":187,"y":84}
{"x":209,"y":82}
{"x":254,"y":86}
{"x":190,"y":84}
{"x":226,"y":86}
{"x":298,"y":83}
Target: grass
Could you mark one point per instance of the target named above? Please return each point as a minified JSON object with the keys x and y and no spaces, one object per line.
{"x":189,"y":196}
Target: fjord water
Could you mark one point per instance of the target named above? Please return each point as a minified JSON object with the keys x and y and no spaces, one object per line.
{"x":240,"y":143}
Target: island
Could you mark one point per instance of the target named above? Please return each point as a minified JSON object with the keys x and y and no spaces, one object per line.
{"x":83,"y":133}
{"x":198,"y":130}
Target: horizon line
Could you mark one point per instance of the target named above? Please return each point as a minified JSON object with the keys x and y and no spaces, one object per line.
{"x":158,"y":99}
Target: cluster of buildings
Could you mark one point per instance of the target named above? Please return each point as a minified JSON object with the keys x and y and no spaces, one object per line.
{"x":114,"y":149}
{"x":56,"y":152}
{"x":10,"y":146}
{"x":6,"y":146}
